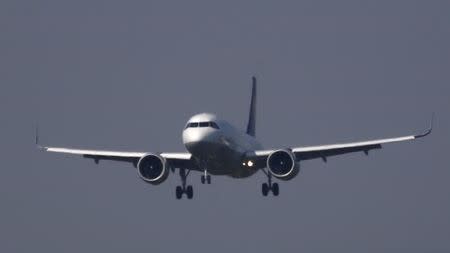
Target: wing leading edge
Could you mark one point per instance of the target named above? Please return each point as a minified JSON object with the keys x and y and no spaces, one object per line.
{"x":324,"y":151}
{"x":176,"y":159}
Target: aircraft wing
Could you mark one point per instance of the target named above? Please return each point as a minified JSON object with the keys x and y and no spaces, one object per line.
{"x":324,"y":151}
{"x":176,"y":160}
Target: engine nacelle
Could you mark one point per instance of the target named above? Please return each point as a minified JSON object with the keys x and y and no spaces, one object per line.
{"x":283,"y":165}
{"x":152,"y":169}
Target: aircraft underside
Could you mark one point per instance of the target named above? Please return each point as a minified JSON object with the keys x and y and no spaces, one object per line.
{"x":218,"y":159}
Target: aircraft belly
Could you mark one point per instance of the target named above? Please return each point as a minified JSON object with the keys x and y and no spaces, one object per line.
{"x":221,"y":159}
{"x":228,"y":162}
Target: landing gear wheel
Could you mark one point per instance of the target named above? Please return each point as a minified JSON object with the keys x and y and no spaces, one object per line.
{"x":178,"y":192}
{"x":208,"y":179}
{"x":189,"y":192}
{"x":265,"y":189}
{"x":275,"y":189}
{"x":202,"y":178}
{"x":269,"y":186}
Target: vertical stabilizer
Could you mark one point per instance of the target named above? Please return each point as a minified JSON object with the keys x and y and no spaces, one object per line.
{"x":251,"y":130}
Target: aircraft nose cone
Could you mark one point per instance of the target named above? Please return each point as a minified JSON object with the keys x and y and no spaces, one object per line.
{"x":193,"y":138}
{"x":190,"y":136}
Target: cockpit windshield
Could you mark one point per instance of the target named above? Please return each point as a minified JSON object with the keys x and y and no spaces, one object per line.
{"x":203,"y":124}
{"x":213,"y":125}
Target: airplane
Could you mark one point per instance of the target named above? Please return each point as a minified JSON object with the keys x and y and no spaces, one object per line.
{"x":215,"y":147}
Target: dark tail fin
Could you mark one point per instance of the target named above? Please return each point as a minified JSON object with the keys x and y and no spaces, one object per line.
{"x":252,"y":116}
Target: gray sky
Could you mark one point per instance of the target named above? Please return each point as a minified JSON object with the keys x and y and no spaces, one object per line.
{"x":128,"y":74}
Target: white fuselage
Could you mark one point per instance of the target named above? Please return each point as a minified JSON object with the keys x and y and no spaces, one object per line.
{"x":219,"y":148}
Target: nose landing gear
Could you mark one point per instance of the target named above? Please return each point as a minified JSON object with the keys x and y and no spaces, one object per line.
{"x":179,"y":190}
{"x":269,"y":186}
{"x":205,"y":178}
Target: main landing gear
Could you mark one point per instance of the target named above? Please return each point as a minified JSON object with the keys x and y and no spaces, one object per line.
{"x":205,"y":178}
{"x":269,"y":186}
{"x":183,"y":189}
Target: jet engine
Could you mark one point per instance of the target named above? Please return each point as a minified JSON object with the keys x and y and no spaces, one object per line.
{"x":152,"y":169}
{"x":282,"y":164}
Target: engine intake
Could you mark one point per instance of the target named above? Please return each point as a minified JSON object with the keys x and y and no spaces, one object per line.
{"x":282,"y":164}
{"x":152,"y":169}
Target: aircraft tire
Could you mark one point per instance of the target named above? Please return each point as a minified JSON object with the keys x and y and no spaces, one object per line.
{"x":178,"y":192}
{"x":275,"y":189}
{"x":265,"y":189}
{"x":190,"y":192}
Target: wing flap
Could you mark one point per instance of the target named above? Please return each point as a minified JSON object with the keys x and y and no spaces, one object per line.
{"x":308,"y":155}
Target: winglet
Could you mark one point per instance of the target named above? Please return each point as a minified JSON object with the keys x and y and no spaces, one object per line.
{"x":428,"y":131}
{"x":37,"y":137}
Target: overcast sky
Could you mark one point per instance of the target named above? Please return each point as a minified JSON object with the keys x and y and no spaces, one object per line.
{"x":127,"y":75}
